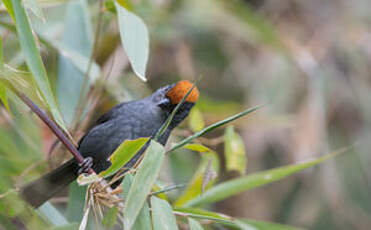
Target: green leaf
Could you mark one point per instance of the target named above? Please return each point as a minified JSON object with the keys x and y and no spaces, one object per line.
{"x":143,"y":221}
{"x":206,"y":215}
{"x":76,"y":201}
{"x":214,"y":126}
{"x":194,"y":225}
{"x":135,"y":40}
{"x":213,"y":216}
{"x":109,"y":220}
{"x":52,"y":214}
{"x":162,"y":215}
{"x":72,"y":226}
{"x":233,"y":187}
{"x":126,"y":184}
{"x":197,"y":147}
{"x":9,"y":7}
{"x":196,"y":121}
{"x":262,"y":225}
{"x":3,"y":96}
{"x":195,"y":186}
{"x":143,"y":182}
{"x":234,"y":151}
{"x":123,"y":154}
{"x":1,"y":55}
{"x":77,"y":38}
{"x":33,"y":60}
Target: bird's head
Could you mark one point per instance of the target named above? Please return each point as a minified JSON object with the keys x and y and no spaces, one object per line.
{"x":168,"y":97}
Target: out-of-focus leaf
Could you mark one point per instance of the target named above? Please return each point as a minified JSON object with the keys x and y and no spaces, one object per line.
{"x":195,"y":186}
{"x":209,"y":175}
{"x":162,"y":215}
{"x":9,"y":7}
{"x":143,"y":182}
{"x":214,"y":126}
{"x":262,"y":225}
{"x":197,"y":147}
{"x":77,"y":37}
{"x":234,"y":151}
{"x":35,"y":8}
{"x":126,"y":4}
{"x":76,"y":201}
{"x":143,"y":221}
{"x":194,"y":225}
{"x":72,"y":226}
{"x":3,"y":96}
{"x":196,"y":121}
{"x":109,"y":219}
{"x":135,"y":40}
{"x":203,"y":214}
{"x":52,"y":214}
{"x":218,"y":217}
{"x":1,"y":55}
{"x":256,"y":23}
{"x":233,"y":187}
{"x":123,"y":154}
{"x":33,"y":60}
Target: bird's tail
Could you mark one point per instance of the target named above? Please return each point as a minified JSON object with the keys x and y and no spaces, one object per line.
{"x":42,"y":189}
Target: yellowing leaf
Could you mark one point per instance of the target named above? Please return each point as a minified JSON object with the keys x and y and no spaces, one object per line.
{"x":197,"y":183}
{"x":234,"y":151}
{"x":196,"y":121}
{"x":123,"y":154}
{"x":197,"y":147}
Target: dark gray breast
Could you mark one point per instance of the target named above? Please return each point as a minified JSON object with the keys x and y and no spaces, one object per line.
{"x":125,"y":121}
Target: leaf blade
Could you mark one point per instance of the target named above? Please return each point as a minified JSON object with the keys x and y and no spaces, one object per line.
{"x":162,"y":215}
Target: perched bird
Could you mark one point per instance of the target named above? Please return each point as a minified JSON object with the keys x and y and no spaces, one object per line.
{"x":130,"y":120}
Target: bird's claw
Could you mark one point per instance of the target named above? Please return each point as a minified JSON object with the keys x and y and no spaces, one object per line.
{"x":85,"y":165}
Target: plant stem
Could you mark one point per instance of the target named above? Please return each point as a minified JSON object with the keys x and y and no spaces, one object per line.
{"x":56,"y":130}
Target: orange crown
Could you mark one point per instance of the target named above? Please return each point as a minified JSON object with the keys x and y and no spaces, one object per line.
{"x":180,"y":89}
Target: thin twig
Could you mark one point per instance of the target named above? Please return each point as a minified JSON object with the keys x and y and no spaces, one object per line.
{"x":56,"y":130}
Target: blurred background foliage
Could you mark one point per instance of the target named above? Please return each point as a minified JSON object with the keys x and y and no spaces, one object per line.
{"x":310,"y":60}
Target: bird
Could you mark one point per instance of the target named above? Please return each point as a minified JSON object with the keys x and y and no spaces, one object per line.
{"x":125,"y":121}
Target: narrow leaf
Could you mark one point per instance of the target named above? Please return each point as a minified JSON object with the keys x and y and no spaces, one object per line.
{"x":135,"y":40}
{"x":3,"y":96}
{"x":52,"y":214}
{"x":1,"y":55}
{"x":234,"y":151}
{"x":143,"y":182}
{"x":197,"y":147}
{"x":33,"y":60}
{"x":9,"y":7}
{"x":214,"y":126}
{"x":123,"y":154}
{"x":233,"y":187}
{"x":162,"y":215}
{"x":194,"y":225}
{"x":262,"y":225}
{"x":72,"y":226}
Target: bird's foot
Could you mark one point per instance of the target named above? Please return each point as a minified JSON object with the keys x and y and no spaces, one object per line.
{"x":85,"y":165}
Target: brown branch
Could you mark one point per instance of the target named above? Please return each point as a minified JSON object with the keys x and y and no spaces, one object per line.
{"x":56,"y":130}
